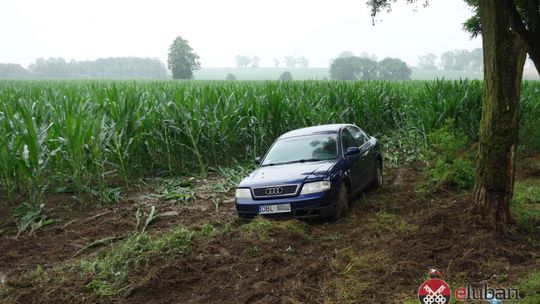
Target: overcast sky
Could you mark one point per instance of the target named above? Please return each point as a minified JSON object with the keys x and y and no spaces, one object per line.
{"x":220,"y":30}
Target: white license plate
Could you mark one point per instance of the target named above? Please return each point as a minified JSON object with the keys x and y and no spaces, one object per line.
{"x":269,"y":209}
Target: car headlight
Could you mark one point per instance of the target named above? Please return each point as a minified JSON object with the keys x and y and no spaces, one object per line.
{"x":243,"y":193}
{"x":315,"y":187}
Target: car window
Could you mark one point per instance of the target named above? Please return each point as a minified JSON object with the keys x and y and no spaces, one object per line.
{"x":358,"y":136}
{"x":347,"y":140}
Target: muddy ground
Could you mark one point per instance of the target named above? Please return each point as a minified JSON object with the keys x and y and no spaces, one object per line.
{"x":378,"y":254}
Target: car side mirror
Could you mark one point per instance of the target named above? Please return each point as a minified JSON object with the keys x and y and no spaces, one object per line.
{"x":352,"y":151}
{"x":258,"y":160}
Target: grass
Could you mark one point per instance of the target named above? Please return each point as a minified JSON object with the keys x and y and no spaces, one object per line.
{"x":349,"y":269}
{"x":111,"y":271}
{"x":525,"y":204}
{"x":265,"y":230}
{"x":387,"y":222}
{"x":266,"y":73}
{"x":261,"y":73}
{"x":529,"y":289}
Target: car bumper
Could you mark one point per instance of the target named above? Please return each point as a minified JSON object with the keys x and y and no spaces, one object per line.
{"x":316,"y":205}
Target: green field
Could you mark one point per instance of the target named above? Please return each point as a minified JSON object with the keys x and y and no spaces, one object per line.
{"x":87,"y":136}
{"x":261,"y":73}
{"x":322,"y":73}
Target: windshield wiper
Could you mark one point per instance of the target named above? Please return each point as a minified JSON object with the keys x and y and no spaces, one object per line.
{"x":304,"y":160}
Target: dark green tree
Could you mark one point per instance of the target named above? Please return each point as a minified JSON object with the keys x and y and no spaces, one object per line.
{"x":182,"y":60}
{"x":353,"y":68}
{"x":286,"y":76}
{"x":345,"y":54}
{"x":230,"y":76}
{"x":393,"y":69}
{"x":510,"y":29}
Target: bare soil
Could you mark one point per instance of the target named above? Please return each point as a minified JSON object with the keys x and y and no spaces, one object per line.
{"x":378,"y":254}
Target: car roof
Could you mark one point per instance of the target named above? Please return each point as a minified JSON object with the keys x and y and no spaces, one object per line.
{"x":321,"y":129}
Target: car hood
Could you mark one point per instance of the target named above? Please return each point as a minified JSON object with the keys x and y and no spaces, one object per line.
{"x":287,"y":173}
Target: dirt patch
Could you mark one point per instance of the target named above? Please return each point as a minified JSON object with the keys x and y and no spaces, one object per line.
{"x":379,"y":254}
{"x":79,"y":226}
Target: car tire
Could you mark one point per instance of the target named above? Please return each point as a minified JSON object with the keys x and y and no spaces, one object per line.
{"x":378,"y":180}
{"x":342,"y":203}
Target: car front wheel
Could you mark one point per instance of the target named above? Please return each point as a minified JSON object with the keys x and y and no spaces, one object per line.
{"x":342,"y":203}
{"x":378,"y":180}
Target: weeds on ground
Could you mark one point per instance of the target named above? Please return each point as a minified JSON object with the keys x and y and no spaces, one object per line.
{"x":183,"y":189}
{"x":31,"y":218}
{"x":176,"y":189}
{"x":111,"y":271}
{"x":403,"y":146}
{"x":264,"y":229}
{"x":525,"y":204}
{"x":388,"y":223}
{"x":449,"y":161}
{"x":529,"y":135}
{"x":351,"y":277}
{"x":529,"y":289}
{"x":232,"y":175}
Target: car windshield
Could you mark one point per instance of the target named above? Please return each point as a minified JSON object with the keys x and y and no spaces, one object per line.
{"x":302,"y":149}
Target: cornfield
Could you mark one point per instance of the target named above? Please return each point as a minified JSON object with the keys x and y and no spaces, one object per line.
{"x":84,"y":136}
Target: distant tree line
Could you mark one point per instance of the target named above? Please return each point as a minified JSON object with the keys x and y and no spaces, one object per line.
{"x":293,"y":62}
{"x":243,"y":61}
{"x":10,"y":70}
{"x":350,"y":67}
{"x":120,"y":67}
{"x":456,"y":60}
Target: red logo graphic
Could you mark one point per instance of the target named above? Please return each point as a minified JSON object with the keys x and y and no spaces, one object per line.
{"x":434,"y":291}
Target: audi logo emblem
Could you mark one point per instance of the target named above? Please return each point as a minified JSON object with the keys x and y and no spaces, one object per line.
{"x":273,"y":191}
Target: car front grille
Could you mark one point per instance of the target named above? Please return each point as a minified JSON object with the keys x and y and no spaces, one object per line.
{"x":275,"y":191}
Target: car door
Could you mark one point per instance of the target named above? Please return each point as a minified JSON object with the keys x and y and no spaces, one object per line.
{"x":366,"y":159}
{"x":353,"y":161}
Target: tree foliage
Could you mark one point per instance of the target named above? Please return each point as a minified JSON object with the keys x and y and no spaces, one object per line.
{"x":345,"y":54}
{"x":353,"y":68}
{"x":9,"y":70}
{"x":393,"y":69}
{"x":302,"y":62}
{"x":462,"y":60}
{"x":427,"y":62}
{"x":293,"y":62}
{"x":290,"y":61}
{"x":242,"y":61}
{"x":525,"y":21}
{"x":362,"y":68}
{"x":182,"y":60}
{"x":255,"y":62}
{"x":108,"y":68}
{"x":286,"y":76}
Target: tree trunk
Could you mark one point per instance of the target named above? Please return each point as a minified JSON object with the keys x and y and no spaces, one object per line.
{"x":504,"y":58}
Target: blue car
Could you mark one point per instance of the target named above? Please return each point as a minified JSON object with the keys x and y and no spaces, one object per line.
{"x":311,"y":173}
